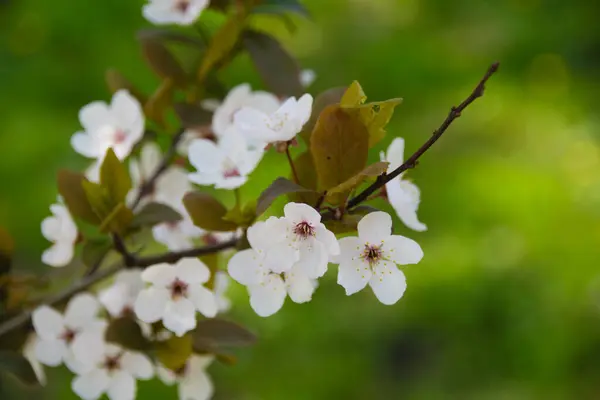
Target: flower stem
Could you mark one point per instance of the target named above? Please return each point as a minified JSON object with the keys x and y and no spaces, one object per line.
{"x":292,"y":166}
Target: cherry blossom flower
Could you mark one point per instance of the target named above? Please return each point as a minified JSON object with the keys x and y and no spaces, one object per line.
{"x":114,"y":372}
{"x":220,"y":288}
{"x":177,"y":235}
{"x":194,"y":382}
{"x":119,"y":126}
{"x":62,"y":231}
{"x":29,"y":354}
{"x":119,"y":298}
{"x":281,"y":126}
{"x":61,"y":337}
{"x":225,"y":164}
{"x":403,"y":195}
{"x":371,"y":258}
{"x":307,"y":77}
{"x":175,"y":294}
{"x":181,"y":12}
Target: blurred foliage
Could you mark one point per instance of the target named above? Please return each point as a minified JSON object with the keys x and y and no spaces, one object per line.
{"x":505,"y":304}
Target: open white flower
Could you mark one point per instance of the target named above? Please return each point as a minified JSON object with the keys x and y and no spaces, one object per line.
{"x":177,"y":235}
{"x":61,"y":230}
{"x":281,"y":126}
{"x":119,"y":125}
{"x":114,"y":372}
{"x":226,"y":164}
{"x":119,"y":298}
{"x":194,"y":382}
{"x":221,"y":285}
{"x":29,"y":354}
{"x":175,"y":294}
{"x":181,"y":12}
{"x":239,"y":97}
{"x":60,"y":338}
{"x":403,"y":195}
{"x":371,"y":258}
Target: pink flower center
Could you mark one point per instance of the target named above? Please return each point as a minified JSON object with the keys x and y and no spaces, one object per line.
{"x":231,"y":173}
{"x":372,"y":254}
{"x":68,"y":335}
{"x":119,"y":136}
{"x":304,"y":230}
{"x":178,"y":289}
{"x":182,"y":6}
{"x":112,"y":363}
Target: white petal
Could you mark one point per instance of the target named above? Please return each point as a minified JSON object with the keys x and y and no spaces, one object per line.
{"x":375,"y":227}
{"x":92,"y":385}
{"x":205,"y":156}
{"x":197,"y":363}
{"x":196,"y":387}
{"x":388,"y":283}
{"x":350,"y":249}
{"x":88,"y":347}
{"x":354,"y":276}
{"x":299,"y":286}
{"x":246,"y":267}
{"x":280,"y":257}
{"x":58,"y":255}
{"x":75,"y":365}
{"x":172,"y":237}
{"x":166,"y":376}
{"x":303,"y":109}
{"x":127,"y":112}
{"x":204,"y":300}
{"x":85,"y":145}
{"x":47,"y":322}
{"x":50,"y":352}
{"x":122,"y":387}
{"x":81,"y":310}
{"x":299,"y":212}
{"x":137,"y":364}
{"x":180,"y":316}
{"x":192,"y":271}
{"x":268,"y":297}
{"x":95,"y":115}
{"x":328,"y":238}
{"x":404,"y":197}
{"x":150,"y":159}
{"x":29,"y":354}
{"x":395,"y":154}
{"x":402,"y":250}
{"x":151,"y":304}
{"x":307,"y":77}
{"x":229,"y":183}
{"x":252,"y":124}
{"x":51,"y":228}
{"x":313,"y":258}
{"x":159,"y":275}
{"x":115,"y":299}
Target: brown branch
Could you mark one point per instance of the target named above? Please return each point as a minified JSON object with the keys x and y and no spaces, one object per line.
{"x":455,"y":112}
{"x":291,"y":161}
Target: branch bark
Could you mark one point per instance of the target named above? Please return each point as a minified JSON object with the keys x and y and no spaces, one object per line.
{"x":411,"y":162}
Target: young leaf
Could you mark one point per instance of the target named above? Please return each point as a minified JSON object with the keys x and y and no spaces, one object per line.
{"x":212,"y":334}
{"x":18,"y":366}
{"x":158,"y":104}
{"x":153,"y":214}
{"x":376,"y":116}
{"x":126,"y":332}
{"x":192,"y":116}
{"x":98,"y":198}
{"x":114,"y":176}
{"x":242,"y":217}
{"x":281,"y":6}
{"x":337,"y":195}
{"x":174,"y":353}
{"x":277,"y":68}
{"x":207,"y":212}
{"x":354,"y":96}
{"x":70,"y":187}
{"x":94,"y":251}
{"x":326,"y":98}
{"x":339,"y":145}
{"x":118,"y":220}
{"x":116,"y":81}
{"x":307,"y":175}
{"x":162,"y":62}
{"x":279,"y":187}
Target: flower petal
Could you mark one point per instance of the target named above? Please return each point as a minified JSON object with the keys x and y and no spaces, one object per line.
{"x":88,"y":348}
{"x":328,"y":238}
{"x":196,"y":387}
{"x":180,"y":316}
{"x":350,"y":249}
{"x":128,"y":113}
{"x":404,"y":197}
{"x":303,"y":110}
{"x":204,"y":300}
{"x":402,"y":250}
{"x":205,"y":156}
{"x":299,"y":286}
{"x":122,"y":386}
{"x":91,"y":385}
{"x":50,"y":352}
{"x":58,"y":255}
{"x":159,"y":275}
{"x":95,"y":115}
{"x":81,"y":310}
{"x":137,"y":364}
{"x":47,"y":322}
{"x":246,"y":267}
{"x":395,"y":154}
{"x":299,"y":212}
{"x":354,"y":276}
{"x":375,"y":227}
{"x":268,"y":297}
{"x":166,"y":376}
{"x":388,"y":283}
{"x":313,"y":258}
{"x":192,"y":271}
{"x":151,"y":303}
{"x":280,"y":257}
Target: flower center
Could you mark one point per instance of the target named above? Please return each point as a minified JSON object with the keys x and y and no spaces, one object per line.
{"x":179,"y":289}
{"x":112,"y":364}
{"x":119,"y":136}
{"x":372,"y":254}
{"x":277,"y":121}
{"x":68,"y":335}
{"x":304,"y":230}
{"x":182,"y":6}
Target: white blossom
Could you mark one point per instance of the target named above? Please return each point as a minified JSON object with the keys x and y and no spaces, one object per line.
{"x":62,"y":231}
{"x":114,"y":373}
{"x":175,"y":294}
{"x":60,"y":338}
{"x":403,"y":195}
{"x":177,"y":235}
{"x":181,"y":12}
{"x":371,"y":258}
{"x":220,"y":288}
{"x":194,"y":382}
{"x":225,"y":164}
{"x":307,"y":77}
{"x":29,"y":354}
{"x":281,"y":126}
{"x":119,"y":298}
{"x":119,"y":125}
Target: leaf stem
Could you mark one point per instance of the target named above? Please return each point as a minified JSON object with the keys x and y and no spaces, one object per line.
{"x":291,"y":161}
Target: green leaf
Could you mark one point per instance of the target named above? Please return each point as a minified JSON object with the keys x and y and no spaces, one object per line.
{"x":354,"y":96}
{"x":126,"y":332}
{"x":153,"y":214}
{"x":242,"y":217}
{"x":192,"y":116}
{"x":220,"y":5}
{"x":339,"y":145}
{"x":307,"y":175}
{"x":337,"y":195}
{"x":114,"y":176}
{"x":118,"y":220}
{"x":162,"y":62}
{"x":94,"y":251}
{"x":174,"y":353}
{"x":7,"y":246}
{"x":279,"y":187}
{"x":221,"y":45}
{"x":99,"y":199}
{"x":347,"y":224}
{"x":281,"y":6}
{"x":326,"y":98}
{"x":207,"y":212}
{"x":18,"y":366}
{"x":116,"y":81}
{"x":277,"y":68}
{"x":212,"y":334}
{"x":70,"y":187}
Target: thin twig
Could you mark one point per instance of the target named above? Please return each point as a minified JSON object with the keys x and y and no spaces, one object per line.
{"x":291,"y":161}
{"x":455,"y":112}
{"x":148,"y":186}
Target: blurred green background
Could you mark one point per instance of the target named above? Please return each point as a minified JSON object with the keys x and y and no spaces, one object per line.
{"x":506,"y":302}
